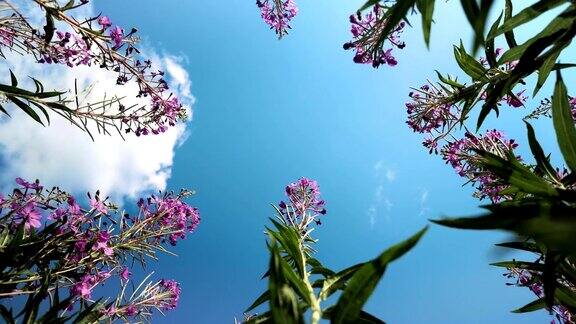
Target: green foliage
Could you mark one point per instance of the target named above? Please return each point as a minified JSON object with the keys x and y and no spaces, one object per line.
{"x":292,"y":290}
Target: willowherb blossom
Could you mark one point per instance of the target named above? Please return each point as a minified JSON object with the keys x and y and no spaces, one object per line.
{"x":162,"y":295}
{"x":532,"y":280}
{"x":545,"y":108}
{"x":277,"y":14}
{"x":431,"y":109}
{"x":304,"y":204}
{"x":167,"y":214}
{"x":369,"y":40}
{"x":461,"y":155}
{"x":87,"y":243}
{"x":94,"y":42}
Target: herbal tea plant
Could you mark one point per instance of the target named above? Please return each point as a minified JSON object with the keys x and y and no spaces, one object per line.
{"x":96,"y":42}
{"x":55,"y":253}
{"x":298,"y":283}
{"x":528,"y":197}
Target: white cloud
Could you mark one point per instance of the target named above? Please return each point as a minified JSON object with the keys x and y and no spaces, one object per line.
{"x":424,"y":202}
{"x":61,"y":154}
{"x":382,"y":174}
{"x":390,"y":175}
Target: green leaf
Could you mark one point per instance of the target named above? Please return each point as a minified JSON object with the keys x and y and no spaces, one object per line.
{"x":4,"y":111}
{"x":477,"y":16}
{"x":26,"y":108}
{"x":563,"y":123}
{"x":368,"y":4}
{"x":426,"y":8}
{"x":338,"y":281}
{"x":449,"y":81}
{"x":532,"y":306}
{"x":533,"y":266}
{"x":490,"y":50}
{"x":524,"y":16}
{"x":363,"y":318}
{"x":509,"y":35}
{"x":68,"y":5}
{"x":89,"y":315}
{"x":13,"y":79}
{"x":364,"y":281}
{"x":7,"y":315}
{"x":554,"y":30}
{"x":516,"y":174}
{"x":545,"y":69}
{"x":49,"y":28}
{"x":259,"y":301}
{"x":43,"y":110}
{"x":394,"y":15}
{"x":566,"y":296}
{"x":468,"y":64}
{"x":524,"y":246}
{"x":289,"y":240}
{"x":542,"y":161}
{"x":284,"y":306}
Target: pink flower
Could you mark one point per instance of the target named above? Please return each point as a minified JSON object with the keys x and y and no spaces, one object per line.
{"x":131,"y":310}
{"x":83,"y":288}
{"x":101,"y":243}
{"x":125,"y":273}
{"x":98,"y":205}
{"x":117,"y":35}
{"x":104,"y":21}
{"x":278,"y":17}
{"x":29,"y":185}
{"x":368,"y":40}
{"x":29,"y":215}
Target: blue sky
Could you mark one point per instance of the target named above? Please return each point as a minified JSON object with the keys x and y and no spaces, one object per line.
{"x":269,"y":112}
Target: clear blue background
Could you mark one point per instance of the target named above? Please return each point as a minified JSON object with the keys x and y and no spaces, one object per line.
{"x":269,"y":112}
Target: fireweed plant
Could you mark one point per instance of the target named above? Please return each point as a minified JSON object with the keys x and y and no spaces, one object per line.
{"x":298,"y":283}
{"x":56,"y":252}
{"x":528,"y":197}
{"x":94,"y":41}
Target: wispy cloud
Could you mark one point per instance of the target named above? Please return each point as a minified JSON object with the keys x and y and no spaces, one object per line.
{"x":380,"y":202}
{"x":424,"y":202}
{"x":61,"y":154}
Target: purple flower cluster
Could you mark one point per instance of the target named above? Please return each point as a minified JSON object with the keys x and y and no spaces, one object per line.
{"x":95,"y":41}
{"x":277,"y":14}
{"x":461,"y":155}
{"x":168,"y":215}
{"x":369,"y":41}
{"x":163,"y":295}
{"x":83,"y":287}
{"x":87,"y":246}
{"x":304,"y":203}
{"x":431,"y":109}
{"x":525,"y":278}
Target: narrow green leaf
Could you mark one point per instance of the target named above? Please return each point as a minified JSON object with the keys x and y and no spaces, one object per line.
{"x":554,"y":30}
{"x":26,"y":108}
{"x":259,"y":301}
{"x":363,"y":318}
{"x":532,"y":306}
{"x":364,"y":281}
{"x":545,"y":69}
{"x":563,"y":123}
{"x":542,"y":160}
{"x":426,"y":8}
{"x":13,"y":79}
{"x":338,"y":281}
{"x":468,"y":64}
{"x":509,"y":35}
{"x":49,"y":28}
{"x":516,"y":174}
{"x":526,"y":15}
